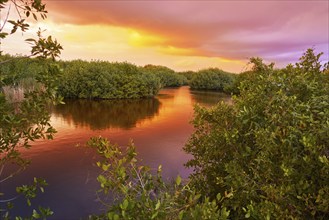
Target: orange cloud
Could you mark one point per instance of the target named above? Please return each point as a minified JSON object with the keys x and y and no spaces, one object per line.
{"x":231,"y":29}
{"x":140,"y":39}
{"x":188,"y":33}
{"x":178,"y":51}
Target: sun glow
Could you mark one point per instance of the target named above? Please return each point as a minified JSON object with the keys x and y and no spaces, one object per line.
{"x":139,"y":39}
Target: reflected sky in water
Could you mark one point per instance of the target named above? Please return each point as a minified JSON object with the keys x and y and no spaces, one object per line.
{"x":159,"y":127}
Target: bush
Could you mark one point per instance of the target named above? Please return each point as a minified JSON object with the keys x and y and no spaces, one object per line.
{"x":212,"y":79}
{"x":139,"y":193}
{"x":21,"y":71}
{"x":103,"y":80}
{"x":188,"y":75}
{"x":168,"y":77}
{"x":271,"y":148}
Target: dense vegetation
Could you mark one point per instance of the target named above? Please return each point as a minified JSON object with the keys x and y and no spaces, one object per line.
{"x":270,"y":149}
{"x":212,"y":79}
{"x":168,"y":77}
{"x":95,"y":79}
{"x":140,"y":193}
{"x":265,"y":157}
{"x":106,"y":80}
{"x":24,"y":101}
{"x":188,"y":75}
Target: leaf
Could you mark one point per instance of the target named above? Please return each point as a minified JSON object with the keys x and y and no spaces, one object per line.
{"x":154,"y":215}
{"x":218,"y":196}
{"x":35,"y":214}
{"x":181,"y":215}
{"x":157,"y":206}
{"x":178,"y":180}
{"x":30,"y":40}
{"x":12,"y":22}
{"x":3,"y":35}
{"x":125,"y":204}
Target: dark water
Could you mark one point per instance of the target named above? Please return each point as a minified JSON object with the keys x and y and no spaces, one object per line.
{"x":159,"y":128}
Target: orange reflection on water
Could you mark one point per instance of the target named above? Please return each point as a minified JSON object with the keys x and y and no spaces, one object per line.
{"x":159,"y":128}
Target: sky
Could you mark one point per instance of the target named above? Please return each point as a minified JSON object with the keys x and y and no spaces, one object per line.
{"x":184,"y":35}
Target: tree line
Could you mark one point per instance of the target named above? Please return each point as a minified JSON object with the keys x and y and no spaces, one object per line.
{"x":106,"y":80}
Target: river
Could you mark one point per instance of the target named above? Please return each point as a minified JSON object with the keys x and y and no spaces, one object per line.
{"x":159,"y":128}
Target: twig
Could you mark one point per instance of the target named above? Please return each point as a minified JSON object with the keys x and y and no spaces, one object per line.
{"x":13,"y":174}
{"x":140,"y":180}
{"x":16,"y":7}
{"x":1,"y":170}
{"x":6,"y":18}
{"x":8,"y":200}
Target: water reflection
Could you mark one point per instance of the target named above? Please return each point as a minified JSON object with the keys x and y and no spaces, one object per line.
{"x":104,"y":114}
{"x":209,"y":98}
{"x":159,"y":128}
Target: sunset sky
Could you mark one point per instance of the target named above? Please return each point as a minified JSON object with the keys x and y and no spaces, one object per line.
{"x":184,"y":35}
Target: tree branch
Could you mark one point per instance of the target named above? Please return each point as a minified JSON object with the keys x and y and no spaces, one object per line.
{"x":7,"y":16}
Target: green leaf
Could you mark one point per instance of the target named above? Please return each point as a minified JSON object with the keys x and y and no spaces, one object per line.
{"x":218,"y":196}
{"x":178,"y":180}
{"x":157,"y":206}
{"x":155,"y":215}
{"x":125,"y":204}
{"x":35,"y":214}
{"x":116,"y":217}
{"x":181,"y":215}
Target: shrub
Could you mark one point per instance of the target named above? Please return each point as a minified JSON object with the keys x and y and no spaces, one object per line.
{"x":271,"y":147}
{"x":139,"y":193}
{"x":212,"y":79}
{"x":104,"y":80}
{"x":168,"y":77}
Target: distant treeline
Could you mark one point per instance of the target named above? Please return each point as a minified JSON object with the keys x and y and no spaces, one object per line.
{"x":211,"y":79}
{"x":106,"y":80}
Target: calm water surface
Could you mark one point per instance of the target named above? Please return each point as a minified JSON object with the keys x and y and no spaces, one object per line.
{"x":159,"y":128}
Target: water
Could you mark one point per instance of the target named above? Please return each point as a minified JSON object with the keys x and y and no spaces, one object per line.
{"x":159,"y":128}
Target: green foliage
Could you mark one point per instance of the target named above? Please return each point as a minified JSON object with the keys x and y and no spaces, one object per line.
{"x":234,"y":88}
{"x":270,"y":149}
{"x":168,"y":77}
{"x":212,"y":79}
{"x":21,"y":71}
{"x":45,"y":47}
{"x":104,"y":80}
{"x":140,"y":193}
{"x":24,"y":9}
{"x":188,"y":75}
{"x":29,"y":192}
{"x":26,"y":119}
{"x":26,"y":90}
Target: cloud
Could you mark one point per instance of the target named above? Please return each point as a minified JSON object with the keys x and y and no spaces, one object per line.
{"x":226,"y":29}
